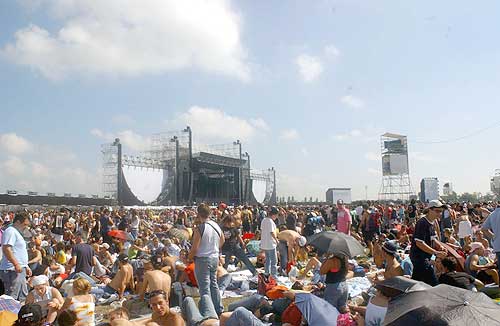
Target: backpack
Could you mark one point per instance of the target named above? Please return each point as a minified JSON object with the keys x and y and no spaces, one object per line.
{"x":265,"y":283}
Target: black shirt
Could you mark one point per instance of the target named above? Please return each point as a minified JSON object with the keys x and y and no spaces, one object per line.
{"x":457,"y":279}
{"x":231,"y":236}
{"x":424,"y":231}
{"x":84,"y":255}
{"x":412,"y":211}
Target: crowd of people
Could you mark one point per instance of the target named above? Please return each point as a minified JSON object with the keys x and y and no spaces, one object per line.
{"x":62,"y":264}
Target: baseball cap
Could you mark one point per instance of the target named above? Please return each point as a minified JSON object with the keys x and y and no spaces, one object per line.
{"x":123,"y":258}
{"x":390,"y":247}
{"x":30,"y":313}
{"x":274,"y":210}
{"x":436,"y":204}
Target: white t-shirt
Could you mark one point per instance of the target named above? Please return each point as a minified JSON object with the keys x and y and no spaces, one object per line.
{"x":266,"y":227}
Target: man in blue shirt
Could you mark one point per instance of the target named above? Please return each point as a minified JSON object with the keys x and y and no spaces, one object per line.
{"x":491,"y":228}
{"x":14,"y":264}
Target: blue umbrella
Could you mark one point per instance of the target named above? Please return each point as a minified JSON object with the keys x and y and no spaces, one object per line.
{"x":315,"y":310}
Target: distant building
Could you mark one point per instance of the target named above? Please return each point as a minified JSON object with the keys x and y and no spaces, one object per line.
{"x":334,"y":194}
{"x":447,"y":189}
{"x":429,"y":189}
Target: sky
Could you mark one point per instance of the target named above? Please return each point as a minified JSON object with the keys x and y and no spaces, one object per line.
{"x":307,"y":86}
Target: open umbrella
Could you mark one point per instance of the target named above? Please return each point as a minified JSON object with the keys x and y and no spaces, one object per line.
{"x":442,"y":305}
{"x":316,"y":310}
{"x":119,"y":234}
{"x":398,"y":285}
{"x":338,"y":243}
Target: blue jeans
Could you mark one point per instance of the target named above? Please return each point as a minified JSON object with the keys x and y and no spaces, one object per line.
{"x":250,"y":303}
{"x":226,"y":282}
{"x":205,"y":271}
{"x":283,"y":251}
{"x":195,"y":315}
{"x":243,"y":317}
{"x":271,"y":261}
{"x":134,"y":233}
{"x":336,"y":294}
{"x":498,"y":262}
{"x":240,"y":254}
{"x":15,"y":284}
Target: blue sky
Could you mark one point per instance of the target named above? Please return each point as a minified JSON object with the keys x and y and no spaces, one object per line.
{"x":309,"y":86}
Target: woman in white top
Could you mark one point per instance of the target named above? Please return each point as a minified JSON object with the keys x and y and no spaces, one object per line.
{"x":82,"y":303}
{"x":49,"y":298}
{"x":464,"y":228}
{"x":374,"y":313}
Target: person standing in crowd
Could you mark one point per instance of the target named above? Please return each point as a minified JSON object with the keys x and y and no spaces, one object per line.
{"x":288,"y":246}
{"x":269,"y":241}
{"x":82,"y":257}
{"x":422,"y":249}
{"x":134,"y":224}
{"x":412,"y":211}
{"x":336,"y":291}
{"x":491,"y":228}
{"x":206,"y":243}
{"x":344,"y":219}
{"x":14,"y":264}
{"x":106,"y":222}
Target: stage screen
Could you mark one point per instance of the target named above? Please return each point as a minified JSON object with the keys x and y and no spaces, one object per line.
{"x":259,"y":190}
{"x":145,"y":183}
{"x":394,"y":164}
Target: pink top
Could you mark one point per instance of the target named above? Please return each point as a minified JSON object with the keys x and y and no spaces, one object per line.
{"x":343,"y":220}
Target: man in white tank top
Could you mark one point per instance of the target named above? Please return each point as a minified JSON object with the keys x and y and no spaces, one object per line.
{"x":206,"y":242}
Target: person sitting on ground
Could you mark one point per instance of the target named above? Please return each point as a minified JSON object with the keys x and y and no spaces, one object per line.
{"x":155,"y":279}
{"x":374,"y":313}
{"x":120,"y":317}
{"x":458,"y":279}
{"x":392,"y":266}
{"x":82,"y":303}
{"x":123,"y":280}
{"x":479,"y":266}
{"x":450,"y":239}
{"x":47,"y":297}
{"x":29,"y":315}
{"x":162,"y":315}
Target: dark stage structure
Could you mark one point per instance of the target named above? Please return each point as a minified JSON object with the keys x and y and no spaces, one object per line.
{"x":174,"y":171}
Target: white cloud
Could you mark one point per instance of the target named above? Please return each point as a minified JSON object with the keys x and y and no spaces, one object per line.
{"x":371,"y":156}
{"x":310,"y":67}
{"x":289,"y":134}
{"x":14,"y":144}
{"x":211,"y":124}
{"x":130,"y":38}
{"x":420,"y":156}
{"x":352,"y":101}
{"x":128,"y":138}
{"x":351,"y":134}
{"x":331,"y":51}
{"x":14,"y":166}
{"x":122,"y":119}
{"x":260,"y":124}
{"x":39,"y":170}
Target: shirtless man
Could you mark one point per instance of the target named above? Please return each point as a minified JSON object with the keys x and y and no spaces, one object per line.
{"x":124,"y":278}
{"x":289,"y":242}
{"x":156,"y":279}
{"x":162,"y":316}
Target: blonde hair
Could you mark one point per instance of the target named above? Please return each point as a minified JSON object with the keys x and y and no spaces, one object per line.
{"x":81,"y":286}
